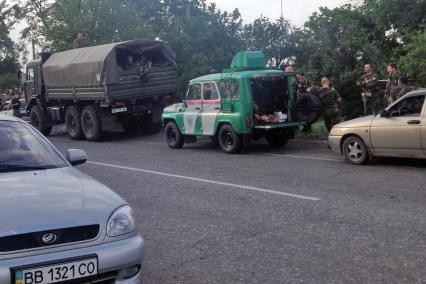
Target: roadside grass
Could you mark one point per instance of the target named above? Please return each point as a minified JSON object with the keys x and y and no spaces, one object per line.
{"x":319,"y":132}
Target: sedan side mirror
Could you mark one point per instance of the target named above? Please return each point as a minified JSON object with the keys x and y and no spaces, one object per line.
{"x":384,"y":113}
{"x":76,"y":156}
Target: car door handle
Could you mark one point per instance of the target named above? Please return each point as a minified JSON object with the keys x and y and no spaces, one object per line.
{"x":413,"y":122}
{"x":197,"y":108}
{"x":216,"y":108}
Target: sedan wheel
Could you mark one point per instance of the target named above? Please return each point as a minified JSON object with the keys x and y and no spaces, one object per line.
{"x":355,"y":150}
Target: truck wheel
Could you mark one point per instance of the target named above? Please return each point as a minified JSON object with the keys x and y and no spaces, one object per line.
{"x":174,"y":138}
{"x":73,"y":122}
{"x":229,"y":140}
{"x":355,"y":150}
{"x":37,"y":120}
{"x":91,"y":123}
{"x":277,"y":138}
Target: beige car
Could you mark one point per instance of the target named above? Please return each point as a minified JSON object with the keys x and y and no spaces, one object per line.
{"x":398,"y":131}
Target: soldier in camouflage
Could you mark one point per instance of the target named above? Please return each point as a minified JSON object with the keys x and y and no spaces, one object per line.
{"x":392,"y":84}
{"x":369,"y":84}
{"x":402,"y":88}
{"x":300,"y":85}
{"x":331,"y":103}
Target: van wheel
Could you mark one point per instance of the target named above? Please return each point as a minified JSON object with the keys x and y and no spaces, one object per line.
{"x":308,"y":108}
{"x":174,"y":138}
{"x":229,"y":140}
{"x":277,"y":138}
{"x":37,"y":120}
{"x":73,"y":122}
{"x":91,"y":123}
{"x":355,"y":150}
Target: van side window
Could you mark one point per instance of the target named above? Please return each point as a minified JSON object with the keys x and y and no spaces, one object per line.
{"x":30,"y":73}
{"x":230,"y":89}
{"x":194,"y":92}
{"x":210,"y":92}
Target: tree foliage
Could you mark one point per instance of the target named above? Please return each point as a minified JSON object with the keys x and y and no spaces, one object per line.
{"x":8,"y":63}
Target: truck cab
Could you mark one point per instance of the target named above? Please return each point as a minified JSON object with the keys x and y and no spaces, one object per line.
{"x":243,"y":103}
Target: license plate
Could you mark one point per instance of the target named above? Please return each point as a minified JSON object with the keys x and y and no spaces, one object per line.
{"x":122,"y":109}
{"x":56,"y":273}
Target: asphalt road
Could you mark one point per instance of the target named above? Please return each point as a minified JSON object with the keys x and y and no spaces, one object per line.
{"x":294,"y":215}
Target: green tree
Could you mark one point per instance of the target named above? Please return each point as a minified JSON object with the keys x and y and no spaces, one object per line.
{"x":8,"y":62}
{"x":414,"y":62}
{"x":274,"y":38}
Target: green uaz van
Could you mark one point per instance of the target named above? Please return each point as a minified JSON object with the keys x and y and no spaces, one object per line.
{"x":243,"y":103}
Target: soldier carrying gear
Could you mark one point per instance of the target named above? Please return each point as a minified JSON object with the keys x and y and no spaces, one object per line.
{"x":331,"y":103}
{"x":300,"y":85}
{"x":369,"y":83}
{"x":392,"y":83}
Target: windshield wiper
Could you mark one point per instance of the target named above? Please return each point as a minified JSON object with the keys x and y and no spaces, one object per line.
{"x":15,"y":168}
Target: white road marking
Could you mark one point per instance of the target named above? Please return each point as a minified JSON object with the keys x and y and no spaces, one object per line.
{"x":307,"y":157}
{"x":252,"y":188}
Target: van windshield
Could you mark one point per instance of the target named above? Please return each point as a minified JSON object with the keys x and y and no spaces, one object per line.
{"x":269,"y":94}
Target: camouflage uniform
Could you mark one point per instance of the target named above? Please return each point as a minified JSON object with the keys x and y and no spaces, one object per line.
{"x":78,"y":43}
{"x":391,"y":85}
{"x":300,"y":86}
{"x":370,"y":96}
{"x":401,"y":90}
{"x":332,"y":110}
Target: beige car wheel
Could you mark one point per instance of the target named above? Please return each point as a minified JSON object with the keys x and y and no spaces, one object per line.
{"x":355,"y":150}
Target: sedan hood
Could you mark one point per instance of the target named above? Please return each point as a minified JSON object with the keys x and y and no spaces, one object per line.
{"x":357,"y":122}
{"x":50,"y":199}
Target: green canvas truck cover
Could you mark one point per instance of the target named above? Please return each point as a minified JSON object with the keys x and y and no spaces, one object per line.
{"x":95,"y":66}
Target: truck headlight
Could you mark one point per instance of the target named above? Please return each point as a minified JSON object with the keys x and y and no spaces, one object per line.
{"x":121,"y":222}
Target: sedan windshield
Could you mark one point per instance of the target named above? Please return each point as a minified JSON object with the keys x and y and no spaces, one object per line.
{"x":22,"y":148}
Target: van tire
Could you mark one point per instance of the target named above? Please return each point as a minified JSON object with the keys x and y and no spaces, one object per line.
{"x":38,"y":121}
{"x":73,"y":123}
{"x":91,"y":123}
{"x":229,"y":140}
{"x":308,"y":108}
{"x":174,"y":138}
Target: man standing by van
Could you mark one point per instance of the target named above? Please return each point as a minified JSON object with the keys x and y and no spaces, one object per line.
{"x":369,"y":83}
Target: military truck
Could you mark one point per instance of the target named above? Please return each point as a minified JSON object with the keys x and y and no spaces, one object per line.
{"x":246,"y":102}
{"x":97,"y":89}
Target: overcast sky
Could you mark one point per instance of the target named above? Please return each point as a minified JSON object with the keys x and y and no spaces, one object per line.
{"x":297,"y":11}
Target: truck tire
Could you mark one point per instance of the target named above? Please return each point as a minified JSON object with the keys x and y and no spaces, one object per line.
{"x":308,"y":108}
{"x":91,"y":123}
{"x":277,"y":138}
{"x":37,"y":120}
{"x":73,"y":122}
{"x":230,"y":142}
{"x":174,"y":138}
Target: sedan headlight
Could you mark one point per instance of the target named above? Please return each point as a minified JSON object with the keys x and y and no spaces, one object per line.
{"x":121,"y":222}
